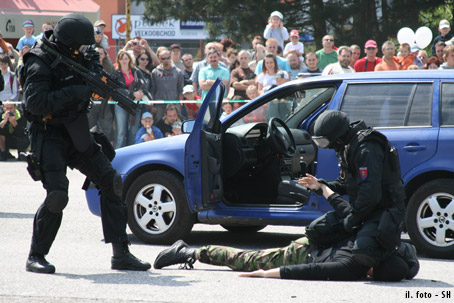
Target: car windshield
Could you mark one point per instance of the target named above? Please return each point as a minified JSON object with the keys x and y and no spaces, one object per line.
{"x":286,"y":107}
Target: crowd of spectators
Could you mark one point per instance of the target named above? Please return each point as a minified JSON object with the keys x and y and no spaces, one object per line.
{"x":170,"y":84}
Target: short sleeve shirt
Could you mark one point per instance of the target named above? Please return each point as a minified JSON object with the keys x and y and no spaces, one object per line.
{"x":209,"y":73}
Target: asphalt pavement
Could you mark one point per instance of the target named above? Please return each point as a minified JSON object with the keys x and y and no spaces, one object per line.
{"x":83,"y":271}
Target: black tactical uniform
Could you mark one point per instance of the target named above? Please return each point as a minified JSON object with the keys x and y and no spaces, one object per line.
{"x":56,"y":104}
{"x":371,"y":181}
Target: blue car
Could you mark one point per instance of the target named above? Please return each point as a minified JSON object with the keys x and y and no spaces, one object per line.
{"x":241,"y":171}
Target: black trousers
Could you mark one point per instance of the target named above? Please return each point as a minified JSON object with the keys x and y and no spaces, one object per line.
{"x":58,"y":153}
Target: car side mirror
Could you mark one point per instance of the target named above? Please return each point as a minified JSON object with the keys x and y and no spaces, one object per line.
{"x":187,"y":126}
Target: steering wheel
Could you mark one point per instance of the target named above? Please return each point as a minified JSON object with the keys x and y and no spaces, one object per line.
{"x":280,"y":142}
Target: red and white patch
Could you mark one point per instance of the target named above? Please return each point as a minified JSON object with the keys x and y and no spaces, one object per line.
{"x":363,"y":173}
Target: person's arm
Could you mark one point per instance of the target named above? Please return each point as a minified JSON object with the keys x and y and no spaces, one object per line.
{"x":340,"y":269}
{"x":3,"y":45}
{"x":284,"y":33}
{"x":203,"y":82}
{"x":154,"y":57}
{"x":270,"y":273}
{"x":42,"y":98}
{"x":369,"y":159}
{"x":267,"y":31}
{"x":14,"y":91}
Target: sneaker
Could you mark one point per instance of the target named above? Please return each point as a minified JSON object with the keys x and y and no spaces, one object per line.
{"x":39,"y":264}
{"x":178,"y":253}
{"x":129,"y":262}
{"x":10,"y":156}
{"x":408,"y":252}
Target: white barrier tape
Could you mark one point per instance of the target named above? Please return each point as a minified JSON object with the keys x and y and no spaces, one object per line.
{"x":148,"y":102}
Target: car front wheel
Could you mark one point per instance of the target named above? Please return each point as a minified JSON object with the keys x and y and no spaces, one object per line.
{"x":430,"y":218}
{"x":157,"y":209}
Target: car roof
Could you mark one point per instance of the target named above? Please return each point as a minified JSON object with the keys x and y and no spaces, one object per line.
{"x":388,"y":75}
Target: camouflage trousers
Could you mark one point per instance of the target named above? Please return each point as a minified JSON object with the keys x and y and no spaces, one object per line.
{"x":250,"y":260}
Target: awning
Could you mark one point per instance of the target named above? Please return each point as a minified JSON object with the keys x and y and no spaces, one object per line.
{"x":14,"y":12}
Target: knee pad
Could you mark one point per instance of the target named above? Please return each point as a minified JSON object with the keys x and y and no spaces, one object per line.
{"x":56,"y":201}
{"x":113,"y":183}
{"x":117,"y":185}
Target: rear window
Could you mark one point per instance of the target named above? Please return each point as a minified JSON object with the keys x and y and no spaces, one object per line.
{"x":389,"y":105}
{"x":447,"y":104}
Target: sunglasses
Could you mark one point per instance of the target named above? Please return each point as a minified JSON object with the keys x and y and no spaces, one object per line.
{"x":329,"y":40}
{"x":370,"y":48}
{"x":165,"y":58}
{"x":144,"y":59}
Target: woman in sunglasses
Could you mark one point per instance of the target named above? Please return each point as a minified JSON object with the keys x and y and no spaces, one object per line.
{"x":126,"y":124}
{"x":144,"y":63}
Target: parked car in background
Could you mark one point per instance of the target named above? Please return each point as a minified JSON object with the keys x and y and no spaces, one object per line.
{"x":240,"y":172}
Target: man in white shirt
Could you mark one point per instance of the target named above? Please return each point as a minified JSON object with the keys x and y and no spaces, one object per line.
{"x":344,"y":54}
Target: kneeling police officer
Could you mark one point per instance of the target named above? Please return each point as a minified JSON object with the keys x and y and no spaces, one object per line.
{"x":370,"y":176}
{"x":56,"y":101}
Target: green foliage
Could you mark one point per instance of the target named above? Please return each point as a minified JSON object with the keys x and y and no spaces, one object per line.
{"x":237,"y":19}
{"x":350,"y":21}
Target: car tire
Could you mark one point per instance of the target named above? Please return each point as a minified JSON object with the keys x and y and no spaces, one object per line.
{"x":244,"y":228}
{"x":160,"y":220}
{"x":430,"y":218}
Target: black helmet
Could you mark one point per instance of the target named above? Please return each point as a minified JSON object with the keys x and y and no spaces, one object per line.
{"x":74,"y":30}
{"x":330,"y":126}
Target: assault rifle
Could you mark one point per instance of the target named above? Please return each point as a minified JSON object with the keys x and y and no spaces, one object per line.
{"x":102,"y":84}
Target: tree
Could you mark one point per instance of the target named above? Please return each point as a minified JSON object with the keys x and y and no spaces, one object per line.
{"x":237,"y":19}
{"x":350,"y":21}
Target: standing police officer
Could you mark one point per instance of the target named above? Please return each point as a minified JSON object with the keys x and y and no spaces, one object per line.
{"x":370,"y":176}
{"x":56,"y":104}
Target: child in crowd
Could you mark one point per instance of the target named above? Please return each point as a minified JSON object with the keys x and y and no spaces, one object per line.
{"x":147,"y":132}
{"x":226,"y":109}
{"x":405,"y":59}
{"x":294,"y":45}
{"x":444,"y":28}
{"x":47,"y":26}
{"x":257,"y":115}
{"x":275,"y":29}
{"x":28,"y":27}
{"x":192,"y":109}
{"x":176,"y":128}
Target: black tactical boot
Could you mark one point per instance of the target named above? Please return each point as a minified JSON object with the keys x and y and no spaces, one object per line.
{"x":408,"y":252}
{"x":3,"y":156}
{"x":123,"y":260}
{"x":178,"y":253}
{"x":37,"y":263}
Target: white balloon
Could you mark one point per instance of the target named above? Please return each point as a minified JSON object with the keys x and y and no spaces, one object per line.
{"x":423,"y":36}
{"x":406,"y":35}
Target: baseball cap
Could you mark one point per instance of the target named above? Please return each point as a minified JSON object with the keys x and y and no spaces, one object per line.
{"x":370,"y":43}
{"x":188,"y":89}
{"x":294,"y":33}
{"x":280,"y":74}
{"x":176,"y":124}
{"x":277,"y":14}
{"x":175,"y":46}
{"x":147,"y":115}
{"x":28,"y":23}
{"x":444,"y":24}
{"x":414,"y":48}
{"x":100,"y":23}
{"x":98,"y":30}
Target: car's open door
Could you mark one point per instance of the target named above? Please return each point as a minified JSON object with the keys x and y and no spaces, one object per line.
{"x":203,"y":153}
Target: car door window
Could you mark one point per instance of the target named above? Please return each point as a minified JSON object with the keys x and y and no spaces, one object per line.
{"x":447,"y":104}
{"x":389,"y":105}
{"x":290,"y":106}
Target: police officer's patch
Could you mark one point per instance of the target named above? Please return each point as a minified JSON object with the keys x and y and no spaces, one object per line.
{"x":363,"y":173}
